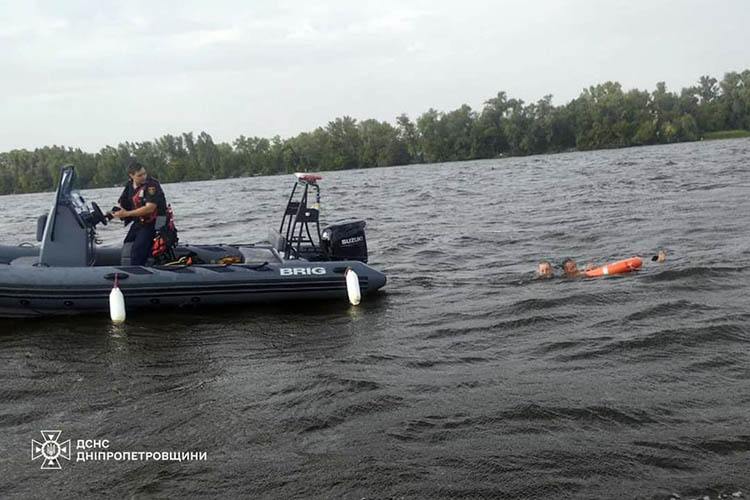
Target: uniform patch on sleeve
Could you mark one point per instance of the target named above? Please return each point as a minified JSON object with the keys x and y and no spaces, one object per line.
{"x":151,"y":190}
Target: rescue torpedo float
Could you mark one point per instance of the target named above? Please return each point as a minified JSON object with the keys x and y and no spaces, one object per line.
{"x":619,"y":267}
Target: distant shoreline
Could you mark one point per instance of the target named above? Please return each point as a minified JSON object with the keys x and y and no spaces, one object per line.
{"x":714,"y":136}
{"x":726,"y":134}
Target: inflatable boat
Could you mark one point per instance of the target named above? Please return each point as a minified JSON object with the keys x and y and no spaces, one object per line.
{"x":69,"y":273}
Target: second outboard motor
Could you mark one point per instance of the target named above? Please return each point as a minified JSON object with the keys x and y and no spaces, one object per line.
{"x":345,"y":241}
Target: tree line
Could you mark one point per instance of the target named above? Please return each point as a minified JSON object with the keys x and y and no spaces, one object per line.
{"x":602,"y":116}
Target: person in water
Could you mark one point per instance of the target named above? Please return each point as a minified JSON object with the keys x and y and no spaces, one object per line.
{"x":544,"y":269}
{"x":141,"y":202}
{"x":571,"y":270}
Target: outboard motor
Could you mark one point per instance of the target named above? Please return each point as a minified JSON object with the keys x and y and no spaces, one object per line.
{"x":345,"y":241}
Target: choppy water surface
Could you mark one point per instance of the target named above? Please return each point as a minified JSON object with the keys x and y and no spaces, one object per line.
{"x":465,"y":379}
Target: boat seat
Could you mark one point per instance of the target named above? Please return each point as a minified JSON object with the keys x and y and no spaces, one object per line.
{"x":276,"y":240}
{"x":28,"y":261}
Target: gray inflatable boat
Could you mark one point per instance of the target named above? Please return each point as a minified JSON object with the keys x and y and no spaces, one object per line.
{"x":67,"y":273}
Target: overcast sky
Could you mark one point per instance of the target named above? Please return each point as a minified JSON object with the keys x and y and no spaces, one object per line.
{"x":90,"y":73}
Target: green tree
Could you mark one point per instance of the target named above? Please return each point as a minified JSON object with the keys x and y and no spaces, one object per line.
{"x":430,"y":129}
{"x":490,"y":137}
{"x":381,"y":145}
{"x":409,"y":137}
{"x":345,"y":144}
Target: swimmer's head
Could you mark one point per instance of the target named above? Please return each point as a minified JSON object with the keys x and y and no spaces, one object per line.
{"x":569,"y":267}
{"x":660,"y":256}
{"x":544,"y":269}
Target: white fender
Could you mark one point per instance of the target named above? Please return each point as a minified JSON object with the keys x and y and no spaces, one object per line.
{"x":352,"y":286}
{"x":116,"y":304}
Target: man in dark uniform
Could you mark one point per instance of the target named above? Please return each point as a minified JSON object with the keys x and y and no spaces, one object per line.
{"x":141,"y":203}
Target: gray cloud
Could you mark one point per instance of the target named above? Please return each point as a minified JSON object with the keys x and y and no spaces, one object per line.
{"x":90,"y":73}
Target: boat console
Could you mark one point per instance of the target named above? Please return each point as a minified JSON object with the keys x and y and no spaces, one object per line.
{"x":67,"y":232}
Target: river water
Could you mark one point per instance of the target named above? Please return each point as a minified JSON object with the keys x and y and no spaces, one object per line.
{"x":465,"y":378}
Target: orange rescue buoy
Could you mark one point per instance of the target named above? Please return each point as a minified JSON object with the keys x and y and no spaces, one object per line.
{"x":619,"y":267}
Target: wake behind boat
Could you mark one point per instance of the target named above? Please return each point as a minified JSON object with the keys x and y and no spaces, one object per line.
{"x":68,"y":273}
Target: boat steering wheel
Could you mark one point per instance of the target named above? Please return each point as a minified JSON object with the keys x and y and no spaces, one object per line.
{"x":98,"y":214}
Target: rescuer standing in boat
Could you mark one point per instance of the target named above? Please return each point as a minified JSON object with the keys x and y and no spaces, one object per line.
{"x":142,"y":201}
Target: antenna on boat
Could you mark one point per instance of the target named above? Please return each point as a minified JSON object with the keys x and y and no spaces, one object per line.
{"x":305,"y":163}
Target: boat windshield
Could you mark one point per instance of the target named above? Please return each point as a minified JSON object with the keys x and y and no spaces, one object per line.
{"x":67,"y":181}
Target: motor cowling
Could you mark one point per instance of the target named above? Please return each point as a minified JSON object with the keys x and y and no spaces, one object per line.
{"x":345,"y":241}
